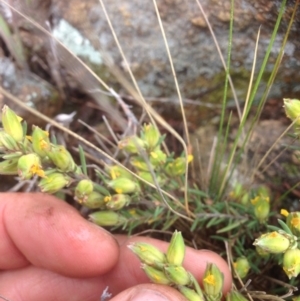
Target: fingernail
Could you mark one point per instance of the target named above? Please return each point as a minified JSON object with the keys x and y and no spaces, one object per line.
{"x":148,"y":295}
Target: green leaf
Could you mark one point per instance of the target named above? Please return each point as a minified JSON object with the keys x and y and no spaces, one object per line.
{"x":232,"y":226}
{"x":82,"y":160}
{"x":285,"y":227}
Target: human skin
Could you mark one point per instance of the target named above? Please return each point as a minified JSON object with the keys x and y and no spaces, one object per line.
{"x":49,"y":252}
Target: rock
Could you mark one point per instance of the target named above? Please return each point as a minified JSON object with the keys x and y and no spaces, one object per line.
{"x":31,"y":89}
{"x":197,"y":63}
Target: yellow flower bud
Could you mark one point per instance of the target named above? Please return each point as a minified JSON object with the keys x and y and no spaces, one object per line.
{"x":123,"y":185}
{"x":12,"y":124}
{"x":242,"y":267}
{"x":293,"y":222}
{"x":148,"y":254}
{"x":191,"y":294}
{"x":61,"y":158}
{"x":132,"y":144}
{"x":151,"y":135}
{"x":291,"y":262}
{"x":178,"y":275}
{"x":261,"y":252}
{"x":158,"y":158}
{"x":147,"y":176}
{"x":94,"y":200}
{"x":213,"y":282}
{"x":30,"y":165}
{"x":292,"y":109}
{"x":177,"y":167}
{"x":118,"y":201}
{"x":139,"y":163}
{"x":235,"y":296}
{"x":83,"y":190}
{"x":107,"y":218}
{"x":9,"y":167}
{"x":117,"y":171}
{"x":54,"y":182}
{"x":40,"y":141}
{"x":273,"y":242}
{"x":155,"y":275}
{"x":176,"y":250}
{"x":237,"y":192}
{"x":261,"y":205}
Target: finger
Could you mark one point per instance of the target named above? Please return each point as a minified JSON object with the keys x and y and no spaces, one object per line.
{"x":35,"y":284}
{"x":127,"y":272}
{"x":146,"y":292}
{"x":48,"y":233}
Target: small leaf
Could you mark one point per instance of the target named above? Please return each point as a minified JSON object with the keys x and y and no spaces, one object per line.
{"x":82,"y":160}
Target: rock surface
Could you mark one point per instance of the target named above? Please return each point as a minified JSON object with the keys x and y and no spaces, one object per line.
{"x":198,"y":66}
{"x":197,"y":63}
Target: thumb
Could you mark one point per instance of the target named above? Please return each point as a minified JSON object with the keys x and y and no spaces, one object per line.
{"x":146,"y":292}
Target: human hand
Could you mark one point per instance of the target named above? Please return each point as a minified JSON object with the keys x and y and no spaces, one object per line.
{"x":49,"y":252}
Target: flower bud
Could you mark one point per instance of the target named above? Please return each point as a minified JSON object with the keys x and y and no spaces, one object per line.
{"x":40,"y":141}
{"x":132,"y":144}
{"x":12,"y":124}
{"x":239,"y":194}
{"x":155,"y":275}
{"x":107,"y":218}
{"x":262,"y":253}
{"x":190,"y":294}
{"x":242,"y":267}
{"x":83,"y":190}
{"x":158,"y":158}
{"x":94,"y":200}
{"x":54,"y":182}
{"x":7,"y":142}
{"x":291,"y":262}
{"x":176,"y":250}
{"x":150,"y":135}
{"x":147,"y":176}
{"x":9,"y":167}
{"x":177,"y":167}
{"x":148,"y":254}
{"x":261,"y":206}
{"x":118,"y":201}
{"x":139,"y":163}
{"x":273,"y":242}
{"x":30,"y":165}
{"x":123,"y":185}
{"x":292,"y":109}
{"x":235,"y":296}
{"x":117,"y":171}
{"x":213,"y":282}
{"x":293,"y":222}
{"x":61,"y":158}
{"x":178,"y":275}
